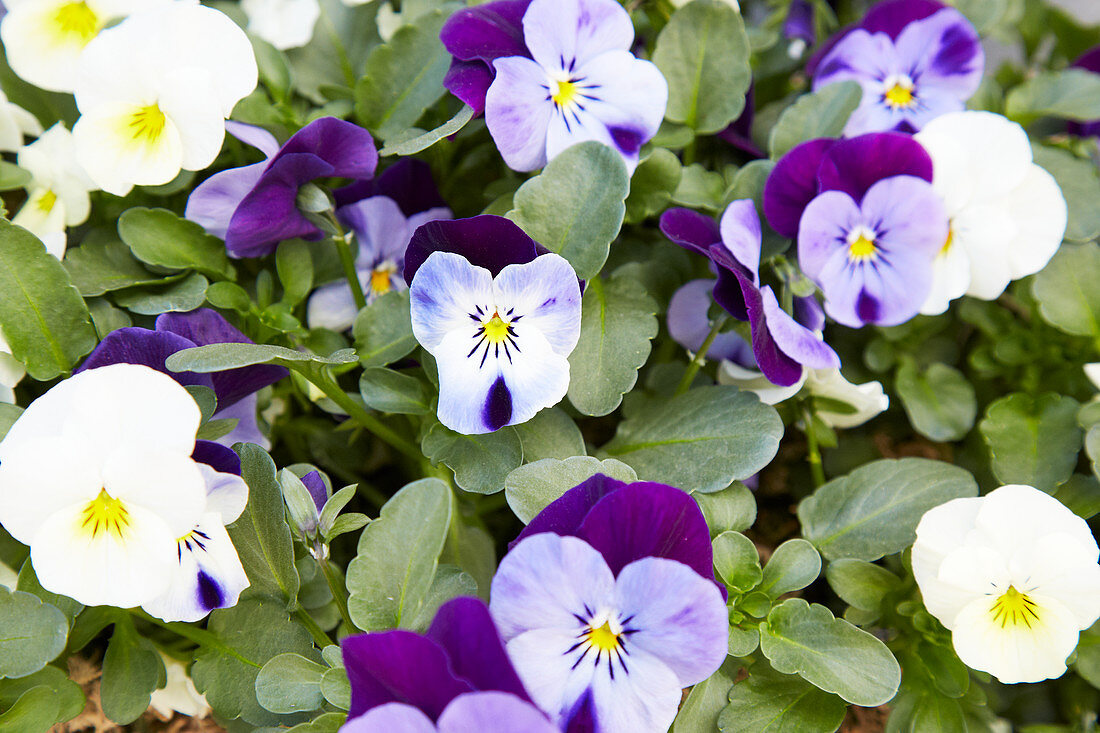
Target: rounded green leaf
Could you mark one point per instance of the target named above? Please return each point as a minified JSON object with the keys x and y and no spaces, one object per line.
{"x":736,"y":561}
{"x":794,"y":565}
{"x":159,"y":237}
{"x":290,"y":683}
{"x":821,"y":114}
{"x":480,"y":462}
{"x":860,"y":584}
{"x":1033,"y":440}
{"x":531,"y":488}
{"x":1072,"y":94}
{"x":1068,"y":289}
{"x":769,"y":702}
{"x":32,"y":633}
{"x":383,"y":330}
{"x":940,"y":403}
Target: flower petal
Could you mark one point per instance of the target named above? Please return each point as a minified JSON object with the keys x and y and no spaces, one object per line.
{"x":392,"y":716}
{"x":465,"y":630}
{"x":545,"y":293}
{"x":149,"y":348}
{"x":492,"y":712}
{"x":855,"y":165}
{"x":565,"y":515}
{"x":691,"y":230}
{"x":212,"y":203}
{"x":793,"y":184}
{"x":688,"y":324}
{"x":492,"y":242}
{"x":781,"y":345}
{"x":740,"y":228}
{"x":946,"y":54}
{"x":518,"y":111}
{"x":444,"y":292}
{"x":565,"y":34}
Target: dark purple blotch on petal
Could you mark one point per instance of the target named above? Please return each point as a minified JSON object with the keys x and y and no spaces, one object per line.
{"x":492,"y":242}
{"x":210,"y":594}
{"x":582,"y":717}
{"x":498,"y":405}
{"x":1090,"y":61}
{"x":476,"y":37}
{"x":408,"y":182}
{"x":628,"y":140}
{"x":217,"y":456}
{"x":315,"y":485}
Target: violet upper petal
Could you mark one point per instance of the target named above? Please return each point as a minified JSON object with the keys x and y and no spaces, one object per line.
{"x":492,"y":242}
{"x":486,"y":32}
{"x":217,"y":456}
{"x":792,"y":184}
{"x":409,"y":182}
{"x":149,"y":348}
{"x":399,"y":666}
{"x":347,"y":147}
{"x":212,"y":203}
{"x":854,"y":165}
{"x":565,"y":515}
{"x":689,"y":325}
{"x":315,"y":485}
{"x":781,"y":345}
{"x":464,"y":628}
{"x":892,"y":16}
{"x":1089,"y":61}
{"x":470,"y":82}
{"x":690,"y":229}
{"x":647,"y":519}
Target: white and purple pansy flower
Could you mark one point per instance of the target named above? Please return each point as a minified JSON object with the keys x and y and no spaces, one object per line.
{"x":868,"y":222}
{"x":383,"y":213}
{"x":476,"y":37}
{"x":254,"y":207}
{"x":499,"y":317}
{"x":577,"y":81}
{"x":456,"y":678}
{"x":608,"y":605}
{"x":914,"y":59}
{"x":781,"y":345}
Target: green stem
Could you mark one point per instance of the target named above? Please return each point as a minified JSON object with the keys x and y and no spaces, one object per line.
{"x":361,"y":415}
{"x":813,"y":450}
{"x":194,"y":634}
{"x":347,"y":259}
{"x":689,"y":152}
{"x":339,"y":594}
{"x":700,"y":356}
{"x":320,"y":638}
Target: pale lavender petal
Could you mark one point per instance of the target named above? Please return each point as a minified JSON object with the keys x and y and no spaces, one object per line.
{"x":518,"y":112}
{"x":248,"y":424}
{"x":380,"y":227}
{"x":945,"y":54}
{"x":255,"y":136}
{"x":824,"y":231}
{"x":740,"y":227}
{"x":332,"y":305}
{"x":389,"y":718}
{"x":565,"y":34}
{"x":546,"y":295}
{"x":689,"y":325}
{"x":782,"y":346}
{"x":861,"y":57}
{"x":444,"y":292}
{"x":212,"y":203}
{"x":492,"y":712}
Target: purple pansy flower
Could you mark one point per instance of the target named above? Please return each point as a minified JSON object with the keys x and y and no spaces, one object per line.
{"x":476,"y":37}
{"x":255,"y":207}
{"x":392,"y":207}
{"x":608,"y":605}
{"x":456,"y":678}
{"x":798,"y":27}
{"x":914,"y":59}
{"x":576,"y":81}
{"x":868,"y":223}
{"x":500,"y":331}
{"x":1090,"y":61}
{"x":781,"y":346}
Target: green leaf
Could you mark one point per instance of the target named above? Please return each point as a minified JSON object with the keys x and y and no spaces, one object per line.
{"x":700,"y":188}
{"x":342,"y":40}
{"x":860,"y":584}
{"x":132,"y":669}
{"x":32,"y":633}
{"x":829,"y":653}
{"x":28,"y":583}
{"x":391,"y":575}
{"x":1033,"y":440}
{"x":1072,"y":94}
{"x":1080,"y":183}
{"x":250,"y":634}
{"x":64,"y":692}
{"x":575,"y":207}
{"x":46,"y":322}
{"x":1081,"y":493}
{"x":294,"y":264}
{"x":261,"y":534}
{"x":940,"y":403}
{"x":102,"y":264}
{"x":177,"y":295}
{"x":1067,"y":290}
{"x":8,"y":415}
{"x":220,"y":357}
{"x":732,"y":509}
{"x":531,"y":488}
{"x":480,"y":462}
{"x":383,"y":330}
{"x":794,"y":565}
{"x":423,"y":142}
{"x":403,"y":77}
{"x":388,"y":391}
{"x":290,"y":683}
{"x":159,"y":237}
{"x":769,"y":702}
{"x":736,"y":561}
{"x":13,"y":177}
{"x":705,"y":701}
{"x":550,"y":434}
{"x":700,"y":441}
{"x":336,"y":688}
{"x":652,"y":185}
{"x":703,"y":53}
{"x":618,"y":322}
{"x":324,"y":723}
{"x":35,"y":710}
{"x":823,"y":113}
{"x":449,"y":582}
{"x":874,"y":511}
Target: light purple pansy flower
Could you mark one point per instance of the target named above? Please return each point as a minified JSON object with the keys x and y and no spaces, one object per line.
{"x":578,"y":82}
{"x":912,"y":65}
{"x":608,"y":605}
{"x":393,"y":206}
{"x":1090,"y":61}
{"x":476,"y":37}
{"x":456,"y":678}
{"x":781,"y":346}
{"x":253,"y":208}
{"x":501,"y":334}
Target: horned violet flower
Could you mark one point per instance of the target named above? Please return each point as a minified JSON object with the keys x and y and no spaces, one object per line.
{"x":500,"y":334}
{"x":1014,"y":576}
{"x":914,"y":59}
{"x":608,"y":605}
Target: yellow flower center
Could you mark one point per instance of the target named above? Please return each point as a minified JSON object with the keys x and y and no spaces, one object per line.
{"x":46,"y":201}
{"x":105,"y":515}
{"x":861,"y":245}
{"x":495,"y":329}
{"x":146,"y":124}
{"x":603,"y":638}
{"x":899,"y":92}
{"x":1015,"y":609}
{"x":565,"y":94}
{"x":76,"y":21}
{"x":380,"y":281}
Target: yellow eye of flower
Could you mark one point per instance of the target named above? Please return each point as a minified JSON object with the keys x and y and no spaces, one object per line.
{"x":76,"y":21}
{"x":565,"y":94}
{"x":46,"y":201}
{"x":603,"y":638}
{"x":861,"y":245}
{"x":105,"y":515}
{"x":380,"y":281}
{"x":1015,"y":609}
{"x":495,"y":329}
{"x":146,"y":124}
{"x":900,"y":95}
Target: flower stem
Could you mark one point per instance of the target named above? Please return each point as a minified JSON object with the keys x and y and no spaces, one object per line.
{"x":700,"y":356}
{"x":339,"y":594}
{"x":813,"y":450}
{"x":320,"y":638}
{"x":347,"y":259}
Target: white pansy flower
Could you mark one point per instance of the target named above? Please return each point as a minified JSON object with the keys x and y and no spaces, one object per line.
{"x":15,"y":124}
{"x":1014,"y":576}
{"x":178,"y":694}
{"x":96,"y":476}
{"x":866,"y":399}
{"x":58,"y":194}
{"x":12,"y":372}
{"x":43,"y":39}
{"x":282,"y":23}
{"x":1007,"y":215}
{"x":753,"y":380}
{"x":154,"y":93}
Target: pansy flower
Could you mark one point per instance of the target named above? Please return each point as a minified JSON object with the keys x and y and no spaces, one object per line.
{"x":390,"y":209}
{"x":576,"y":81}
{"x":868,"y":222}
{"x":253,"y":208}
{"x":1014,"y":576}
{"x":781,"y":346}
{"x":914,"y":59}
{"x":282,"y":23}
{"x":608,"y":605}
{"x":1089,"y":61}
{"x":798,"y":28}
{"x":499,"y":318}
{"x":456,"y":678}
{"x":476,"y":37}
